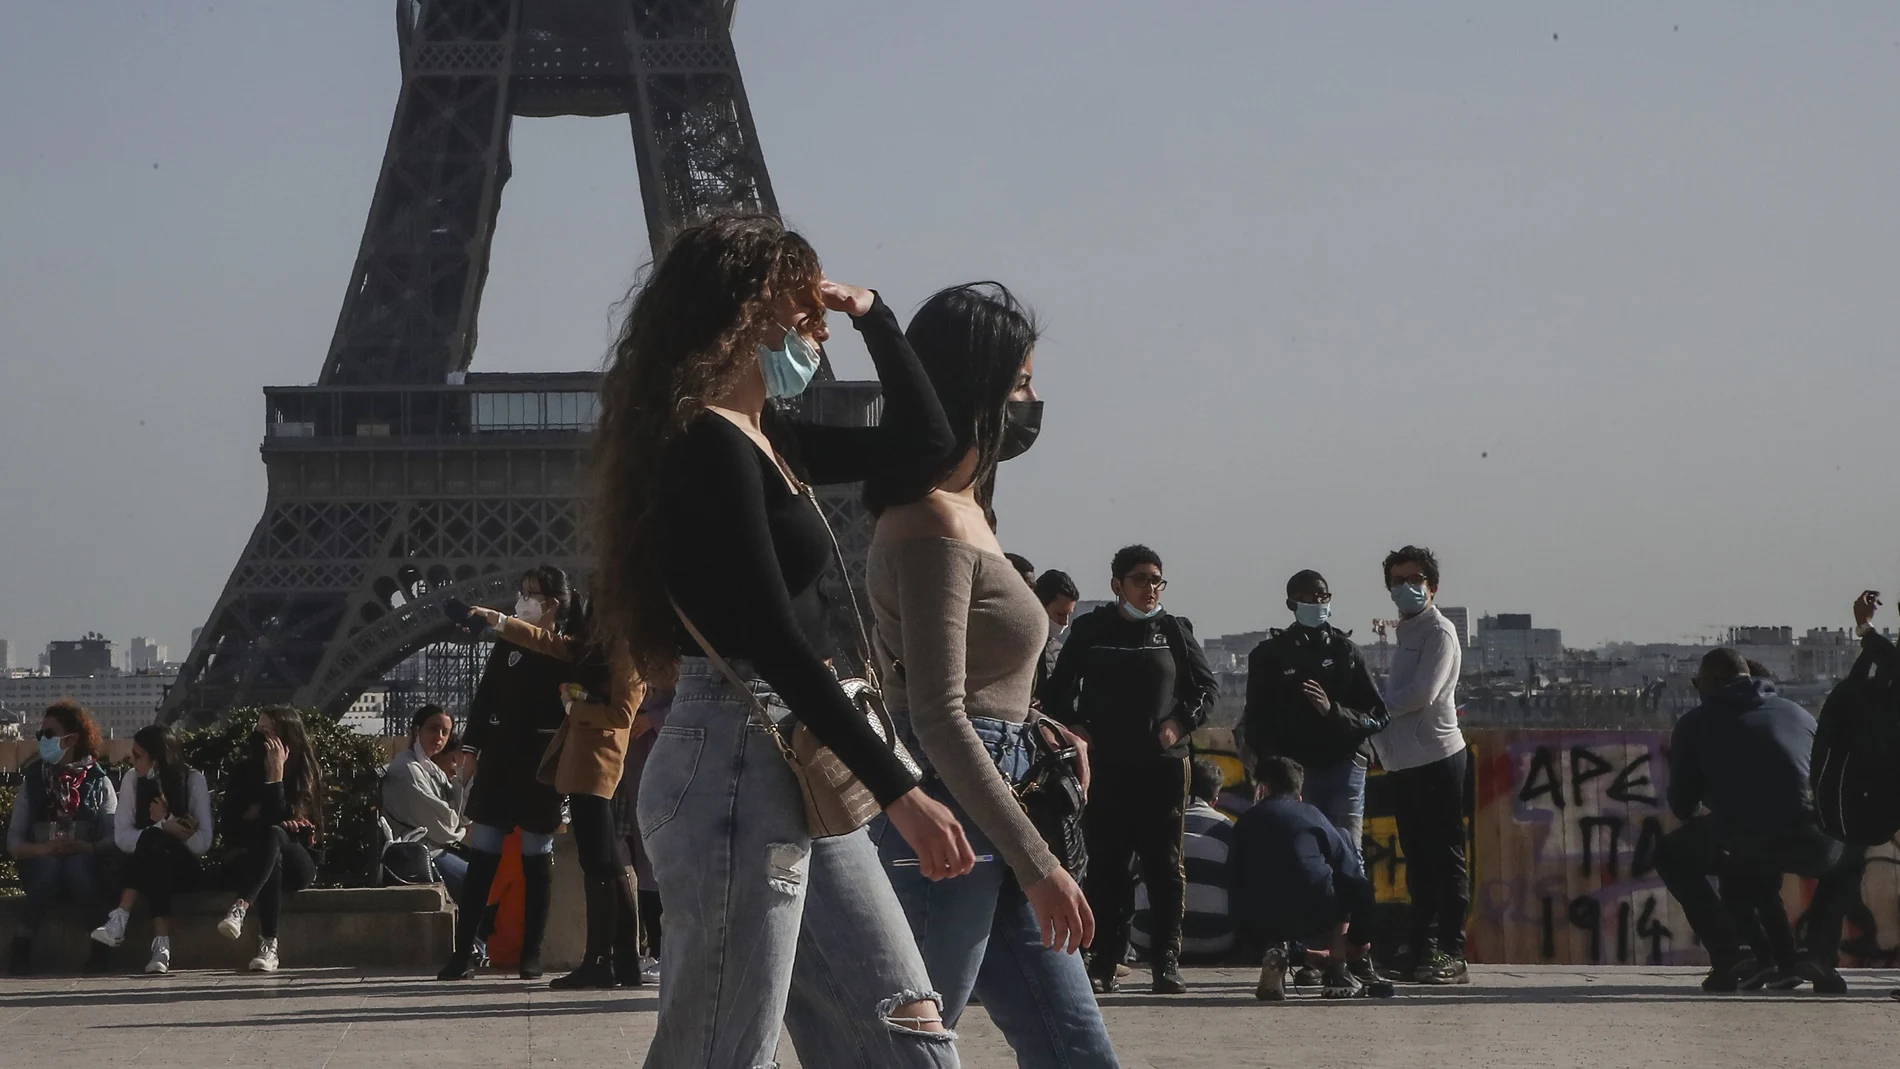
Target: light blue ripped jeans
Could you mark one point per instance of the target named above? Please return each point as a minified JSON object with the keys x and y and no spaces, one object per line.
{"x":763,"y":923}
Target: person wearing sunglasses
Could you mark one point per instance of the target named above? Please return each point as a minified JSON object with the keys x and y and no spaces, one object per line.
{"x":1133,"y":680}
{"x":61,"y":826}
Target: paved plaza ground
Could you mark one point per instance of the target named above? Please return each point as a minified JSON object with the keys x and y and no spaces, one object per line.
{"x":1511,"y":1017}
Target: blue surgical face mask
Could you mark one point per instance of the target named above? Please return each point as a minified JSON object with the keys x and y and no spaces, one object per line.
{"x":51,"y":750}
{"x":1411,"y":597}
{"x":1310,"y":614}
{"x":1138,"y":614}
{"x":789,"y":368}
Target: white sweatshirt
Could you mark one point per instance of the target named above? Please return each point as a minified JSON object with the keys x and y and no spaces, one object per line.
{"x":125,"y":829}
{"x":1421,"y":693}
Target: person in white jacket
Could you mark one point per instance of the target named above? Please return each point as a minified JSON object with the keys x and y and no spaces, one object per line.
{"x":1423,"y":753}
{"x":163,"y":826}
{"x":418,"y":796}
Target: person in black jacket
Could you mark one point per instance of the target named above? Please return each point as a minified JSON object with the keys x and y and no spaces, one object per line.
{"x":273,"y":812}
{"x":1134,"y":682}
{"x":1743,"y":755}
{"x":1058,"y":595}
{"x":515,"y":712}
{"x":1311,"y":698}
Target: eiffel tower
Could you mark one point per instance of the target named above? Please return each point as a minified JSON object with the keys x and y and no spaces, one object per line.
{"x":402,"y":479}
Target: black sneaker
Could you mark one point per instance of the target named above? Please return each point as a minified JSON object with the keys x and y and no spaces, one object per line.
{"x":1105,"y":984}
{"x":1307,"y":976}
{"x":20,"y":961}
{"x":1168,"y":978}
{"x":460,"y":967}
{"x":1753,"y":975}
{"x":1726,"y":972}
{"x":1404,"y":966}
{"x":1339,"y":982}
{"x":1444,"y":970}
{"x":591,"y":975}
{"x":1363,"y":969}
{"x":1825,"y":980}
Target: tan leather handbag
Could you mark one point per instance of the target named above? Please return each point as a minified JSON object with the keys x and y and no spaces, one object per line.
{"x":836,"y":801}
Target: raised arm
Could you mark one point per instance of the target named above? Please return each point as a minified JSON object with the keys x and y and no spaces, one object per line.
{"x":539,"y":639}
{"x":717,"y":497}
{"x":934,"y":582}
{"x":913,"y":437}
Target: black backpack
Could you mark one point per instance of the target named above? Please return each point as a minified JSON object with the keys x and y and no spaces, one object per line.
{"x":1855,"y":766}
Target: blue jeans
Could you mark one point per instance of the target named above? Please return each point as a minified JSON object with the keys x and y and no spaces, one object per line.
{"x":978,"y":933}
{"x":46,"y":880}
{"x":763,"y":923}
{"x":1339,"y":793}
{"x":453,"y":868}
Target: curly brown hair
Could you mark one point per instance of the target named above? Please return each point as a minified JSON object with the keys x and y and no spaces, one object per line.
{"x":691,"y":334}
{"x":75,"y":719}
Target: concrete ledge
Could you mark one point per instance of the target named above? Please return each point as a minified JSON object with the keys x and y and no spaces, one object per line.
{"x":382,"y":928}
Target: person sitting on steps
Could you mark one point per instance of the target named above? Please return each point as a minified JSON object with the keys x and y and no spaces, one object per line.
{"x":163,"y":826}
{"x":273,"y":811}
{"x":61,"y":827}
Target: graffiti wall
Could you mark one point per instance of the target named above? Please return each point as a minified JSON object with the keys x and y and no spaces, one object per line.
{"x":1564,"y":829}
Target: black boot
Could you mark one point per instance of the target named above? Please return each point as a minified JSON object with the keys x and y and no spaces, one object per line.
{"x":596,"y":968}
{"x":650,"y":922}
{"x":537,"y":874}
{"x":468,"y":914}
{"x":1167,"y":974}
{"x":626,"y":940}
{"x":20,"y":961}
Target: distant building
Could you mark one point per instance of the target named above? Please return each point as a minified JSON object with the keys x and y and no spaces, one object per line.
{"x":144,"y":655}
{"x":6,"y":655}
{"x":1460,"y":618}
{"x":1507,"y":643}
{"x":365,"y":716}
{"x":87,"y":656}
{"x":121,"y":704}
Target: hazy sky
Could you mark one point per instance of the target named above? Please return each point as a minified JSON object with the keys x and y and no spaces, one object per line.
{"x":1598,"y":300}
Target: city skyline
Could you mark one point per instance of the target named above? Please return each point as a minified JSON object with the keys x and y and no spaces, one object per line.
{"x":1592,"y":302}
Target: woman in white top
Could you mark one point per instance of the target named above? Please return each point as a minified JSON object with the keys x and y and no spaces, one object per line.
{"x":419,"y":796}
{"x":163,"y":825}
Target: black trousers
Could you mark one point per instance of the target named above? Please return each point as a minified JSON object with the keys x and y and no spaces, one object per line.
{"x":1430,"y":806}
{"x":1136,"y":811}
{"x":271,"y":866}
{"x":159,"y":868}
{"x":1688,"y":856}
{"x":603,"y":854}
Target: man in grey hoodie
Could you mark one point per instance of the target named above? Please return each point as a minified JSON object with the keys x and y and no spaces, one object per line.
{"x":1423,"y":753}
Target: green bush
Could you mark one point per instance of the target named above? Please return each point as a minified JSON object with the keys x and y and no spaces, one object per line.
{"x":9,"y":876}
{"x":351,"y":764}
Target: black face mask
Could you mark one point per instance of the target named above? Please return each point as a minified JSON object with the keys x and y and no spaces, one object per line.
{"x":1022,"y":422}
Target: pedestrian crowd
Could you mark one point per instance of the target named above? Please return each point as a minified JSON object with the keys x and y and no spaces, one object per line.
{"x":988,"y":797}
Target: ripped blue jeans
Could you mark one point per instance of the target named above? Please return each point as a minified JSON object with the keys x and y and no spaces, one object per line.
{"x":764,"y":924}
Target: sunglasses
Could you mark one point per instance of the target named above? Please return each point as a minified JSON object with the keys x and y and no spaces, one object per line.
{"x":50,"y":733}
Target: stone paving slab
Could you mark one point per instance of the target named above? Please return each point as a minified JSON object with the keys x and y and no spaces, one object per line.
{"x":1510,"y":1017}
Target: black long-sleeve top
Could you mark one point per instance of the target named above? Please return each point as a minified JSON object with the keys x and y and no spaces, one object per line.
{"x":1121,"y":679}
{"x":244,"y":788}
{"x":1280,"y":721}
{"x":742,"y":553}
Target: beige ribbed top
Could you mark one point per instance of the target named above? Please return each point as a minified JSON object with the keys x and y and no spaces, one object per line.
{"x":967,"y":630}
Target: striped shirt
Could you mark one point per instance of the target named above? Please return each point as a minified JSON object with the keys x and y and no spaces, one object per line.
{"x":1208,"y":929}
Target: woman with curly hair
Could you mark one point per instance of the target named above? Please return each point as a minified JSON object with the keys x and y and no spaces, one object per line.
{"x":706,"y":515}
{"x":61,"y":827}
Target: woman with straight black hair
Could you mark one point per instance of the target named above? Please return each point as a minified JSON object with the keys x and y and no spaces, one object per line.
{"x":962,"y":636}
{"x":705,"y":514}
{"x":512,"y":718}
{"x":163,"y":827}
{"x":273,"y":812}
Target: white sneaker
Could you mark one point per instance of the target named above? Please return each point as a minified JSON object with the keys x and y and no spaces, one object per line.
{"x":112,"y":932}
{"x":232,"y":925}
{"x":266,"y":960}
{"x":161,"y":955}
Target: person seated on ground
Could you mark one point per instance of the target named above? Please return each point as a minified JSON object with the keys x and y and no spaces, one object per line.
{"x":1752,"y":896}
{"x":163,"y":826}
{"x":1207,"y":930}
{"x":273,"y":812}
{"x":1743,"y":755}
{"x":419,"y":796}
{"x":1296,"y":880}
{"x":60,"y":832}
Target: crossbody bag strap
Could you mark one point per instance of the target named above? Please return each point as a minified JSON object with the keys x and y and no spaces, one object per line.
{"x":865,"y":652}
{"x":758,"y":707}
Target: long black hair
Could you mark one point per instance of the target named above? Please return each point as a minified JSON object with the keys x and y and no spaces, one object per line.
{"x":161,"y":744}
{"x":303,"y":773}
{"x":973,"y":340}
